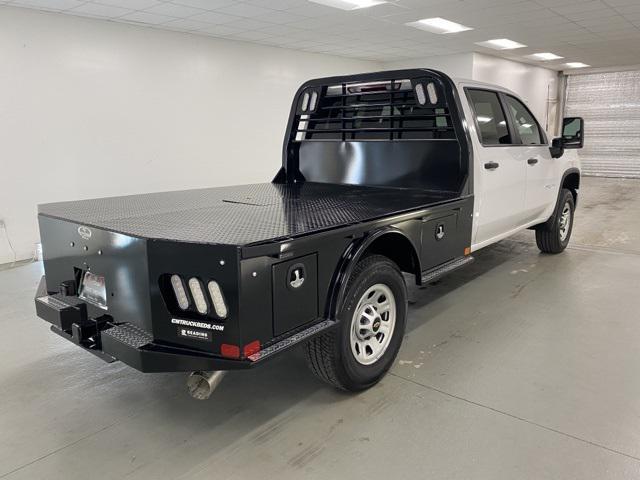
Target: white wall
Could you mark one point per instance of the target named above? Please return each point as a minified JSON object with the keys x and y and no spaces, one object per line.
{"x":538,"y":86}
{"x":92,"y":108}
{"x":459,"y":65}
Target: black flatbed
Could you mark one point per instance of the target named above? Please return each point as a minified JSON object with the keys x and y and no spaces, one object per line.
{"x":245,"y":214}
{"x":371,"y":165}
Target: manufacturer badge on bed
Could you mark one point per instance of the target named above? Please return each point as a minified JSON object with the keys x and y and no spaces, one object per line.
{"x":84,"y":232}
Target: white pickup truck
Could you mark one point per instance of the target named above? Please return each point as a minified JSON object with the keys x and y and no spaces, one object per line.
{"x":382,"y":173}
{"x":522,"y":179}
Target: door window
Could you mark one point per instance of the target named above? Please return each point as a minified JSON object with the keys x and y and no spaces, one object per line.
{"x":525,"y":123}
{"x":490,"y":118}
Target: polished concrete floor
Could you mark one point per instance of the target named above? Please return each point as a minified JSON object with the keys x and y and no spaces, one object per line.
{"x":520,"y":366}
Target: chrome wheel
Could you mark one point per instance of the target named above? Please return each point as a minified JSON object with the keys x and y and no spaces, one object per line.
{"x":372,"y":324}
{"x":565,"y":221}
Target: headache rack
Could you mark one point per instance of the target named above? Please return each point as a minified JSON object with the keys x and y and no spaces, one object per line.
{"x":402,"y":129}
{"x":395,"y":109}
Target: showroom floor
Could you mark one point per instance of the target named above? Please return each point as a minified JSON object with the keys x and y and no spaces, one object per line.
{"x":519,"y":366}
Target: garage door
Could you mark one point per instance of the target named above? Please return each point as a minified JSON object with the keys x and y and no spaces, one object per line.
{"x":610,"y":105}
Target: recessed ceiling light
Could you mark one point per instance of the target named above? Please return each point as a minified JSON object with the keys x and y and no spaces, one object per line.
{"x":545,"y":56}
{"x":349,"y":4}
{"x":439,"y":25}
{"x":501,"y":44}
{"x":576,"y":65}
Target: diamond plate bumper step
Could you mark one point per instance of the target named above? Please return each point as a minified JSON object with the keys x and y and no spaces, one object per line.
{"x":292,"y":340}
{"x":131,"y":335}
{"x":62,"y":312}
{"x":447,"y":267}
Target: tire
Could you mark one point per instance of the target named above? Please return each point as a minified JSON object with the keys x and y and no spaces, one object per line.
{"x":553,"y":236}
{"x":333,"y":357}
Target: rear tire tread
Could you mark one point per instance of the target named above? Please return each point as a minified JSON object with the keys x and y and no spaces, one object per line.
{"x":321,"y":351}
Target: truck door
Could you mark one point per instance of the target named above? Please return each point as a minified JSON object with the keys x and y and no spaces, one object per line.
{"x":541,"y":177}
{"x":501,"y":172}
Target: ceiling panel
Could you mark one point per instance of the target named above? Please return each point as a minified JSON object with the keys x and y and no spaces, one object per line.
{"x":598,"y":32}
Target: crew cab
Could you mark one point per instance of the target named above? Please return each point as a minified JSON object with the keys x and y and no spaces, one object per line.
{"x":384,"y":173}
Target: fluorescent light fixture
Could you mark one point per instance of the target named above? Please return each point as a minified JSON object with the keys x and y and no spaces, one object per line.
{"x":576,"y":65}
{"x":439,"y":25}
{"x":545,"y":56}
{"x":349,"y":4}
{"x":501,"y":44}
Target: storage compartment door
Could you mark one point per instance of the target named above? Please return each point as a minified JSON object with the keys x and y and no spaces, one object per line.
{"x":295,"y":293}
{"x":440,"y":240}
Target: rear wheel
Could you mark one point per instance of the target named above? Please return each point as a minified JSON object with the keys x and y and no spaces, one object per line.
{"x":372,"y":319}
{"x":553,"y":236}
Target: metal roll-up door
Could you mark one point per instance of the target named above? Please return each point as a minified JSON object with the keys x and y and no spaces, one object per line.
{"x":610,"y":106}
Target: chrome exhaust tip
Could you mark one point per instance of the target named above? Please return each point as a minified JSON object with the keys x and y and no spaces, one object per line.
{"x":202,"y":384}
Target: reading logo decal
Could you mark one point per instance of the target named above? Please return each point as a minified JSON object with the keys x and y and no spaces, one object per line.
{"x":84,"y":232}
{"x":195,"y":334}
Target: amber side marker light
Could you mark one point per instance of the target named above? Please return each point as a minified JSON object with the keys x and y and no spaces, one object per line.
{"x":467,"y":250}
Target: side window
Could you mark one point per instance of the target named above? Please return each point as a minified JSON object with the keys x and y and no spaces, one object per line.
{"x":525,"y":123}
{"x":490,"y":118}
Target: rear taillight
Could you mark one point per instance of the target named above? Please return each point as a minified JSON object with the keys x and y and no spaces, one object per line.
{"x":180,"y":292}
{"x":198,"y":296}
{"x":204,"y":297}
{"x":217,"y":299}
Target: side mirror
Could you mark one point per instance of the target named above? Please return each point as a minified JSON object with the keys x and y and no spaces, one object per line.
{"x":572,"y":136}
{"x":572,"y":128}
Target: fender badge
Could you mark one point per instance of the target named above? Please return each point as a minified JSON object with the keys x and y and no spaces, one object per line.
{"x":84,"y":232}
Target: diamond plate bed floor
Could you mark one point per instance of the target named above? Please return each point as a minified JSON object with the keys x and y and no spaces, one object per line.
{"x":245,"y":214}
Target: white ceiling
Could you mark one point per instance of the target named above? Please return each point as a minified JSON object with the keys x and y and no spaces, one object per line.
{"x":601,"y":33}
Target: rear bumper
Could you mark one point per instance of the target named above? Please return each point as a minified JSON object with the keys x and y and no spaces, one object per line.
{"x":135,"y":347}
{"x":125,"y":342}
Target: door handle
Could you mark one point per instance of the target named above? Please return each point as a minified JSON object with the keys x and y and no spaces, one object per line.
{"x":532,"y":161}
{"x":491,"y":165}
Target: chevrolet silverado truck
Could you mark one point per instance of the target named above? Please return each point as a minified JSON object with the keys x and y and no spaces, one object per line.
{"x":383,"y":174}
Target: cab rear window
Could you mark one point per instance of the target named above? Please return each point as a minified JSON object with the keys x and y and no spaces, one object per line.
{"x":490,"y":118}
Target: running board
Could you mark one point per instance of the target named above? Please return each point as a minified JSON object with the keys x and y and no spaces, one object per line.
{"x":447,"y":267}
{"x":292,"y":340}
